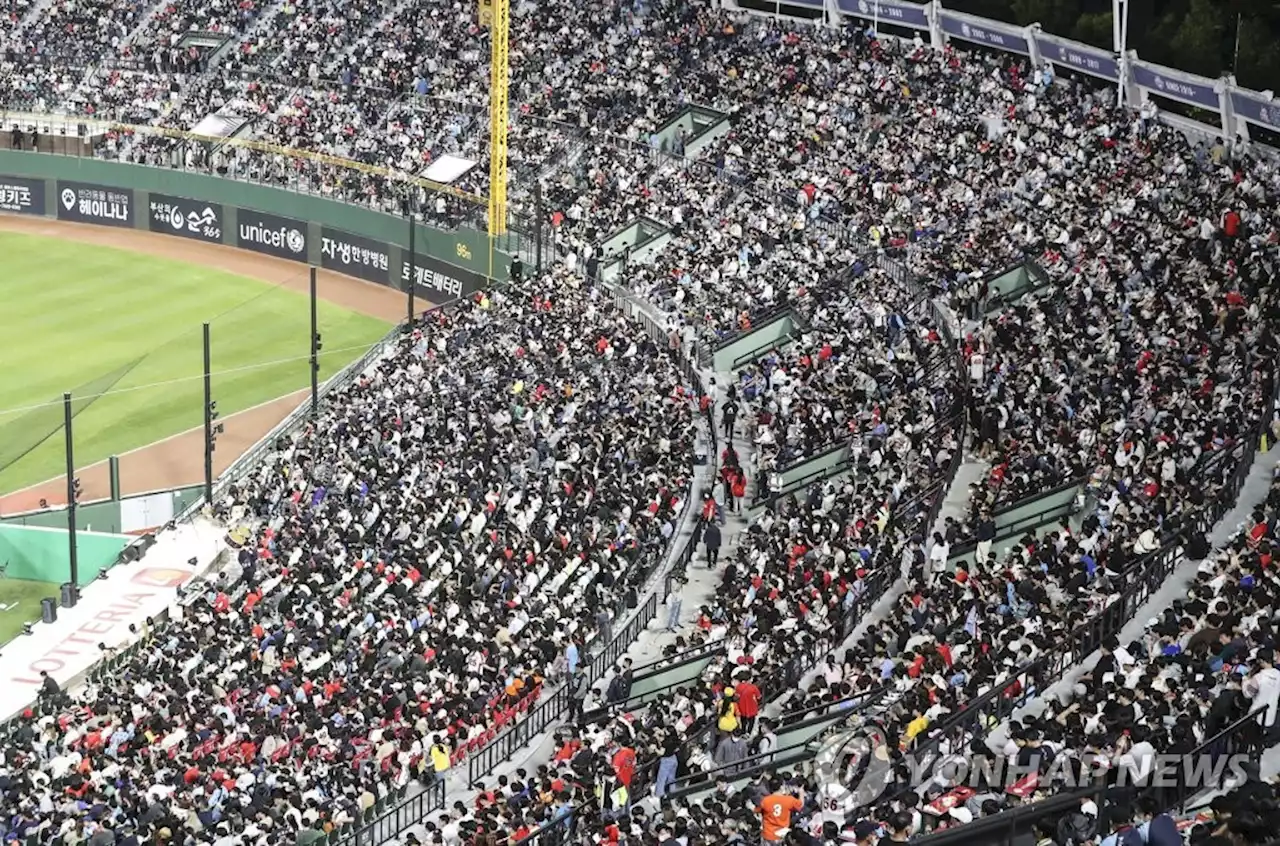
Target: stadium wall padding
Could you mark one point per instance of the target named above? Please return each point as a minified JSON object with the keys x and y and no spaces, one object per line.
{"x":337,"y":236}
{"x":41,"y":555}
{"x":131,"y":514}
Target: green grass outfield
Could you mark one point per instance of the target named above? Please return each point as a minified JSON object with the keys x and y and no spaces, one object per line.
{"x":83,"y":318}
{"x":20,"y":603}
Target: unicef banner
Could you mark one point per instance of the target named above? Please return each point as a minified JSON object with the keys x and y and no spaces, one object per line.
{"x":1157,"y":80}
{"x":987,"y":32}
{"x":85,"y":202}
{"x":1256,"y":109}
{"x":1080,"y":57}
{"x":902,"y":14}
{"x":282,"y":237}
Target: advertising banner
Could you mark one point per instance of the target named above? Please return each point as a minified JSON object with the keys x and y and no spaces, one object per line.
{"x":1080,"y":57}
{"x":902,"y":14}
{"x":443,"y":281}
{"x":185,"y":218}
{"x":1256,"y":109}
{"x":281,"y":237}
{"x":354,"y":255}
{"x":1175,"y":88}
{"x":987,"y":33}
{"x":84,"y":202}
{"x":21,"y":195}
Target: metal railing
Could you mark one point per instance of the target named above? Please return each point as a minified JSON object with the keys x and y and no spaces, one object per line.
{"x":1025,"y":524}
{"x":551,"y":709}
{"x":387,"y":821}
{"x":1142,"y":580}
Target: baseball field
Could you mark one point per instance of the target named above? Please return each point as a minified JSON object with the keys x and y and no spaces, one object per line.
{"x":121,"y":330}
{"x":115,"y":318}
{"x":118,"y":324}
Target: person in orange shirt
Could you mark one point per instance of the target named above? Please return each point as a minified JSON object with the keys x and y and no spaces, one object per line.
{"x":775,"y":811}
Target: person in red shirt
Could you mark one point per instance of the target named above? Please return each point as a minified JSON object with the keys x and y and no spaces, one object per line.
{"x":1231,"y":223}
{"x":748,"y":704}
{"x":624,"y":765}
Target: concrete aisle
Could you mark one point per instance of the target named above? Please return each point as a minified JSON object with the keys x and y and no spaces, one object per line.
{"x":955,"y":504}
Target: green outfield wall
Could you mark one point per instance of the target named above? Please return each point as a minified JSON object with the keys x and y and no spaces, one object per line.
{"x":306,"y":228}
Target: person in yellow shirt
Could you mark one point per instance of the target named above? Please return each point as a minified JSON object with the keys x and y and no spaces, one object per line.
{"x":727,"y":722}
{"x":440,"y":757}
{"x":914,"y":728}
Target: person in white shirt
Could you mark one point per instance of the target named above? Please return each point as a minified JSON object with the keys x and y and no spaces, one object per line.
{"x":1263,"y":688}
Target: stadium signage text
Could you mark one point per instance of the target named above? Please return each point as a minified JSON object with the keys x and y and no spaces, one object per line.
{"x":281,"y":237}
{"x":1176,"y":88}
{"x":903,"y":14}
{"x":355,"y":256}
{"x":961,"y":28}
{"x":84,"y":202}
{"x":1093,"y":62}
{"x":21,"y":195}
{"x":1254,"y":109}
{"x":185,"y":218}
{"x":443,"y":280}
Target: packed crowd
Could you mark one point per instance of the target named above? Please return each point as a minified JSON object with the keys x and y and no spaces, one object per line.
{"x":474,"y":503}
{"x":77,"y":34}
{"x":847,"y":377}
{"x":959,"y":164}
{"x":299,"y":40}
{"x":1202,"y":664}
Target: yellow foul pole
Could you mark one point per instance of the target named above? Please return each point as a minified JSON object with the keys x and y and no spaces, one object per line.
{"x":498,"y":15}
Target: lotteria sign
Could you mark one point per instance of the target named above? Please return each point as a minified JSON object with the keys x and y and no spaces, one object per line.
{"x":126,"y":596}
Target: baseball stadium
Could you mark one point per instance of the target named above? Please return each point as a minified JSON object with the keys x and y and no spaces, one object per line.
{"x":684,"y":422}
